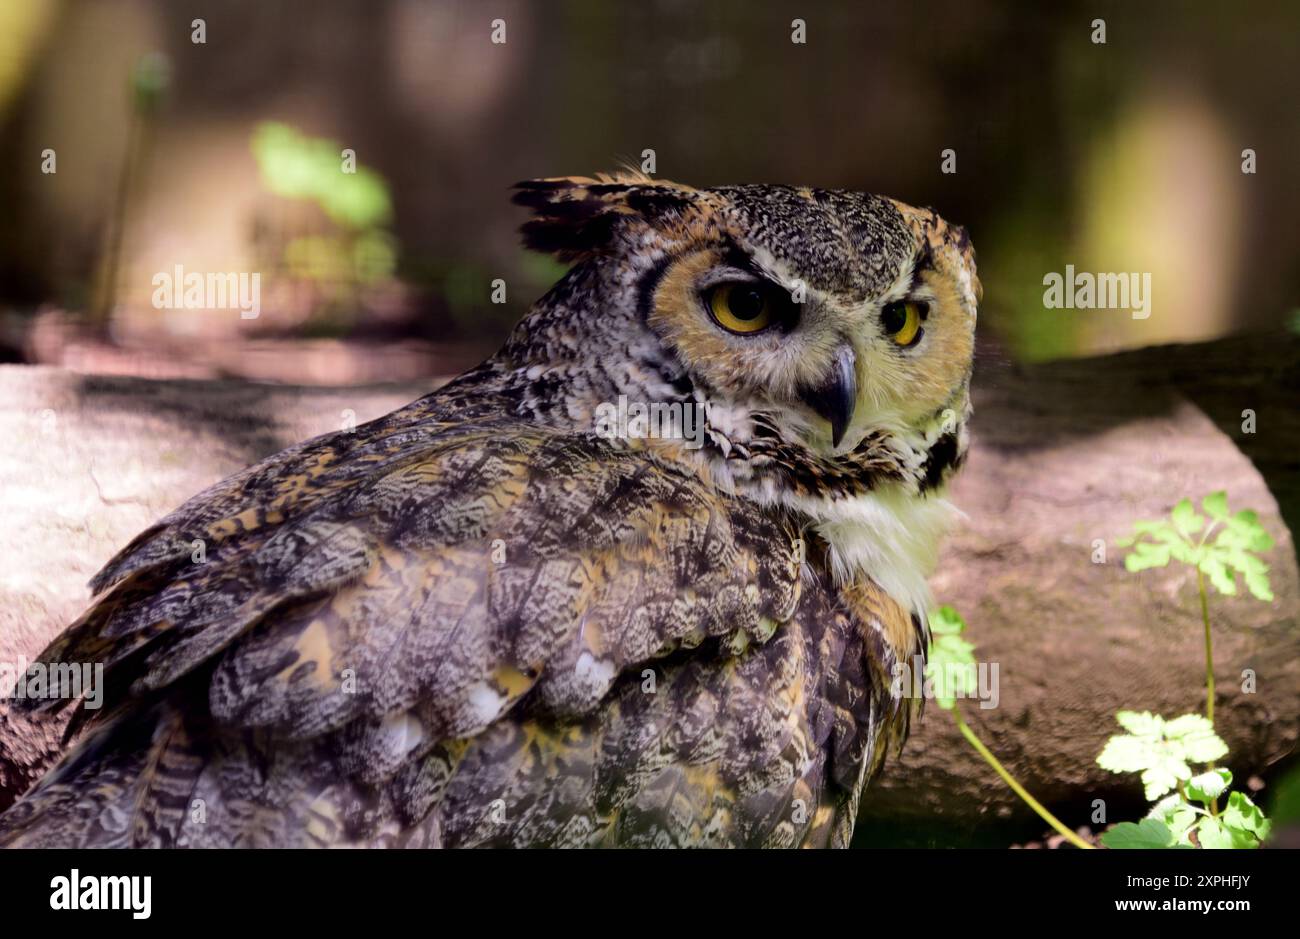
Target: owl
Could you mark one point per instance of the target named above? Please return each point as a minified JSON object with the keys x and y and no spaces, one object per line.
{"x":648,"y":576}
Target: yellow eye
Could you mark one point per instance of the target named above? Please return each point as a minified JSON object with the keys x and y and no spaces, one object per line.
{"x":902,"y":321}
{"x":740,"y":308}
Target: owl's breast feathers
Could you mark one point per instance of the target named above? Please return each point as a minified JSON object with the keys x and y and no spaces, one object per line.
{"x":451,"y":628}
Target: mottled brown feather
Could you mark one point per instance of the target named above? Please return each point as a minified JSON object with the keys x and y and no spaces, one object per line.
{"x":439,"y":632}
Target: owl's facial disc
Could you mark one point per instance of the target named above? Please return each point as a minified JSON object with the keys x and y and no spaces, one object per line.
{"x":827,"y":334}
{"x":846,"y":382}
{"x":823,"y":367}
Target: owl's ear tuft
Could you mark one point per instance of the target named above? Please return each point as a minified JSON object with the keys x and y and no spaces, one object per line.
{"x":577,"y":217}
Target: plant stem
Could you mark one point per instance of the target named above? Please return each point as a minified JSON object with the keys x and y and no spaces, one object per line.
{"x":1018,"y":789}
{"x":103,"y":312}
{"x":1209,"y":668}
{"x":1209,"y":649}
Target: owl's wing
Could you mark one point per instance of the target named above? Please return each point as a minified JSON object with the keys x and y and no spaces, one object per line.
{"x":366,"y":611}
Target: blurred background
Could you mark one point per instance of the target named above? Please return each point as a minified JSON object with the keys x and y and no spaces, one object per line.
{"x":127,"y":148}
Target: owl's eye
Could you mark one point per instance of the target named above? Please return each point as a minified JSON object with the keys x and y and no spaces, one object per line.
{"x":902,"y":321}
{"x":743,"y":307}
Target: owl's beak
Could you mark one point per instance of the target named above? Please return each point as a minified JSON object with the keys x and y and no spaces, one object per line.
{"x":834,"y":399}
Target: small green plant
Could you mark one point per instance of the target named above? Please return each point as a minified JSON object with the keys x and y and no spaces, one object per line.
{"x":951,"y":671}
{"x":1187,"y":810}
{"x":1186,"y":801}
{"x":356,"y":250}
{"x":297,"y":166}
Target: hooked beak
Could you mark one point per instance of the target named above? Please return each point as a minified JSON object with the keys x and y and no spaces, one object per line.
{"x":835,"y":398}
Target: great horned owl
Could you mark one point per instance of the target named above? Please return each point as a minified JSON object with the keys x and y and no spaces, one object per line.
{"x":479,"y":621}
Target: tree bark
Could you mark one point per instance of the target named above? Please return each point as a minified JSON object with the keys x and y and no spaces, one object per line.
{"x":1065,"y":456}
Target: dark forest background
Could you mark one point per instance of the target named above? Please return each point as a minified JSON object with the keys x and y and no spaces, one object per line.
{"x":222,"y":156}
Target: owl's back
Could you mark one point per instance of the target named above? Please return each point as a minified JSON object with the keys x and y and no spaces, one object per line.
{"x":450,"y":627}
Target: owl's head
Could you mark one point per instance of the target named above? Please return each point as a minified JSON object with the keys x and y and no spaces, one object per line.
{"x":827,"y":335}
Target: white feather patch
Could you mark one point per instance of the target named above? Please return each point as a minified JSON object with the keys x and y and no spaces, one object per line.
{"x":888,"y":535}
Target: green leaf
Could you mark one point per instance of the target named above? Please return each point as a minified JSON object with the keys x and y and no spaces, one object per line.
{"x":1160,"y":750}
{"x":1246,"y":524}
{"x":1195,"y":736}
{"x":1221,"y":560}
{"x":1217,"y":571}
{"x":1216,"y":504}
{"x":950,"y":663}
{"x":1242,"y":839}
{"x":1257,"y":584}
{"x":1186,"y":519}
{"x":1161,"y":771}
{"x":1208,"y":786}
{"x":1140,"y":723}
{"x":1148,"y":833}
{"x":1146,"y":555}
{"x":1165,"y":542}
{"x":1125,"y":754}
{"x":1211,"y":834}
{"x":1163,"y":777}
{"x":1177,"y":814}
{"x":946,"y":621}
{"x":1244,"y":815}
{"x":297,"y":166}
{"x":1237,"y":556}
